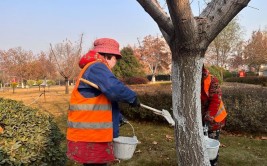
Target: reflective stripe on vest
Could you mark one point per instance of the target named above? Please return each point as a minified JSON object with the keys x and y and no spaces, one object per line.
{"x":89,"y":119}
{"x":93,"y":107}
{"x":84,"y":125}
{"x":221,"y":113}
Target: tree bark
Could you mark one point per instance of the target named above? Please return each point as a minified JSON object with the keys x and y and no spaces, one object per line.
{"x":187,"y":108}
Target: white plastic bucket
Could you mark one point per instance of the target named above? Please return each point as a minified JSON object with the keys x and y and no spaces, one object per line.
{"x":124,"y":147}
{"x":212,"y":147}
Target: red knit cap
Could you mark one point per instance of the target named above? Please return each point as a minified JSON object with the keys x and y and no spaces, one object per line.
{"x":107,"y":45}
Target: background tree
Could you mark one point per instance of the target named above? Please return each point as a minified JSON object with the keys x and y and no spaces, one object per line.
{"x":17,"y":62}
{"x":66,"y":56}
{"x":189,"y":38}
{"x":225,"y":45}
{"x":237,"y":61}
{"x":255,"y":52}
{"x":154,"y":52}
{"x":128,"y":66}
{"x":46,"y":66}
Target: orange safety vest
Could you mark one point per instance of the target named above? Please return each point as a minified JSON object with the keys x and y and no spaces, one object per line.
{"x":89,"y":119}
{"x":221,"y":113}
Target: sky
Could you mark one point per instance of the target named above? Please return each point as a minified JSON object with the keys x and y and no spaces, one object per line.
{"x":34,"y":24}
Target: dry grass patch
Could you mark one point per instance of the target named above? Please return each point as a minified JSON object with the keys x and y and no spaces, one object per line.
{"x":55,"y":101}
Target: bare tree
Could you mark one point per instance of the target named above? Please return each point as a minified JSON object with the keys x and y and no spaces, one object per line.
{"x":17,"y":62}
{"x":154,"y":53}
{"x":47,"y":68}
{"x":66,"y":56}
{"x":188,"y":38}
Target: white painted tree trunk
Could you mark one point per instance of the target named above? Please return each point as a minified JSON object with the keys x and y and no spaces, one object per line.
{"x":153,"y":79}
{"x":186,"y":88}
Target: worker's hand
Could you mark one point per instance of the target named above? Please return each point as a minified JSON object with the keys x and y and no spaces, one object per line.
{"x":136,"y":103}
{"x":209,"y":119}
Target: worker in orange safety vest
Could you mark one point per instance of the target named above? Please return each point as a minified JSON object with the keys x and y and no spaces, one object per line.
{"x":212,"y":107}
{"x":94,"y":115}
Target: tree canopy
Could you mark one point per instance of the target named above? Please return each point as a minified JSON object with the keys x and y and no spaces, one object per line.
{"x":128,"y":66}
{"x":255,"y":52}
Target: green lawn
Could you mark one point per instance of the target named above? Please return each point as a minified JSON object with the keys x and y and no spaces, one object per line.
{"x":157,"y":148}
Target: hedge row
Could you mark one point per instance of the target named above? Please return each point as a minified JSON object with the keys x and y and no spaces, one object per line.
{"x":249,"y":80}
{"x":29,"y":137}
{"x":246,"y":106}
{"x":135,"y":80}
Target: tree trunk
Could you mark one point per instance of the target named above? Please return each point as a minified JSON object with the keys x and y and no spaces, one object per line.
{"x":153,"y":79}
{"x":186,"y":89}
{"x":66,"y":85}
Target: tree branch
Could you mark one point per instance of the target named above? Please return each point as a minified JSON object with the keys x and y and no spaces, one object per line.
{"x":153,"y":8}
{"x":166,"y":36}
{"x":218,"y":14}
{"x":77,"y":56}
{"x":183,"y":19}
{"x":59,"y":68}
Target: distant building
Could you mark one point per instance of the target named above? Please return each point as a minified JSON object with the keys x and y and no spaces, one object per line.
{"x":263,"y":70}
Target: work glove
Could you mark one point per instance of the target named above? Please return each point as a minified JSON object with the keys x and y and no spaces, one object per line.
{"x":136,"y":103}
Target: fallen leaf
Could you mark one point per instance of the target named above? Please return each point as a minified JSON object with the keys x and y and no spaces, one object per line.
{"x":264,"y":138}
{"x":154,"y":142}
{"x":223,"y":146}
{"x":138,"y":151}
{"x":257,"y":138}
{"x":168,"y":137}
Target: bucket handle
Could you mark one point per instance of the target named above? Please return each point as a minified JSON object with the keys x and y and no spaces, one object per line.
{"x":132,"y":128}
